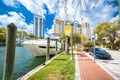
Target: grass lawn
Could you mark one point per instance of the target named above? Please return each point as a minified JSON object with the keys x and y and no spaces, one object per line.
{"x":61,"y":68}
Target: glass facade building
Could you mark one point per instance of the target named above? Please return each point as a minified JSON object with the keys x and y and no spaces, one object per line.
{"x":38,"y":26}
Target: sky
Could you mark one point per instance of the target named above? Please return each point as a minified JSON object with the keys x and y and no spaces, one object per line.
{"x":21,"y":12}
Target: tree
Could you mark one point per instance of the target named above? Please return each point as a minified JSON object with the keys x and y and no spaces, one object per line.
{"x":67,"y":44}
{"x":21,"y":33}
{"x":65,"y":39}
{"x":107,"y":29}
{"x":32,"y":36}
{"x":2,"y":33}
{"x":79,"y":38}
{"x":62,"y":37}
{"x":100,"y":29}
{"x":76,"y":38}
{"x":112,"y":33}
{"x":62,"y":40}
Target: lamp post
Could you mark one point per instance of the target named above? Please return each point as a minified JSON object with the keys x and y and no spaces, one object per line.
{"x":71,"y":35}
{"x":72,"y":42}
{"x":78,"y":26}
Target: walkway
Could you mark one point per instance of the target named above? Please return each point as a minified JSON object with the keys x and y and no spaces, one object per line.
{"x":90,"y":70}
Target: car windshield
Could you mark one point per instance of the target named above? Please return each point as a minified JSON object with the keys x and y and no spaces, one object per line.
{"x":98,"y":49}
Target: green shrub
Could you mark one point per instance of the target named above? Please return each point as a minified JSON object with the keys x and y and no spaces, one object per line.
{"x":108,"y":45}
{"x":88,"y":46}
{"x":117,"y":45}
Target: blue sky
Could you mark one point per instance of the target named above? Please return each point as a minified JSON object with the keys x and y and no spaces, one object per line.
{"x":21,"y":12}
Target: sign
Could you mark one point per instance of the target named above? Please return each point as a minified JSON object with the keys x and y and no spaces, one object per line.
{"x":67,"y":29}
{"x":94,"y":37}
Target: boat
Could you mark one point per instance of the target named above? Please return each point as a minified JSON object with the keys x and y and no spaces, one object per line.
{"x":38,"y":47}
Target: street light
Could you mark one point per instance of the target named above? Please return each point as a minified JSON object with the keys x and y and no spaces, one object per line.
{"x":71,"y":35}
{"x":78,"y":26}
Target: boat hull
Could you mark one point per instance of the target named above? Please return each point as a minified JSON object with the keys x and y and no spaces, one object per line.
{"x":38,"y":48}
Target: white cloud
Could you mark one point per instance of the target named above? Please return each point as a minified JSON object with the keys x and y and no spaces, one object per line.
{"x":11,"y":3}
{"x":49,"y":31}
{"x":114,"y":18}
{"x":47,"y":34}
{"x":29,"y":28}
{"x":99,"y":10}
{"x":18,"y":19}
{"x":33,"y":6}
{"x":51,"y":5}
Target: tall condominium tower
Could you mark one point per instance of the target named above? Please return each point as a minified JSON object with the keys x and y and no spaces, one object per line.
{"x":38,"y":26}
{"x":58,"y":27}
{"x":76,"y":29}
{"x":85,"y":29}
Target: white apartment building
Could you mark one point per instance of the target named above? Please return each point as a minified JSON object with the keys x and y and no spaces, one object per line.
{"x":58,"y":27}
{"x":38,"y":26}
{"x":76,"y":29}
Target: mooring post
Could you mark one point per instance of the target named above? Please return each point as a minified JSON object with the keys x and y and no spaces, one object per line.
{"x":48,"y":49}
{"x":56,"y":45}
{"x":10,"y":52}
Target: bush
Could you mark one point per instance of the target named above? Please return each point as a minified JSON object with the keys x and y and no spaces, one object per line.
{"x":117,"y":45}
{"x":88,"y":46}
{"x":108,"y":45}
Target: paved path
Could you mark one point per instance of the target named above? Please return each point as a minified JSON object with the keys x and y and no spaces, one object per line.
{"x":90,"y":70}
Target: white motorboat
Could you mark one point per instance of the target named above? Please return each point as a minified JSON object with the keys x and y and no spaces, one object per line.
{"x":38,"y":47}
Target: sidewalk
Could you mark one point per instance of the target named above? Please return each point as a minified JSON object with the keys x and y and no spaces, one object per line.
{"x":90,"y":70}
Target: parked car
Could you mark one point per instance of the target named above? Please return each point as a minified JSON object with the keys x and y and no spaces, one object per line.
{"x":100,"y":53}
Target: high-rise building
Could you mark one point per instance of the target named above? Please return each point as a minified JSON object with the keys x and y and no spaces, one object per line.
{"x":38,"y":26}
{"x":85,"y":29}
{"x":58,"y":27}
{"x":76,"y":29}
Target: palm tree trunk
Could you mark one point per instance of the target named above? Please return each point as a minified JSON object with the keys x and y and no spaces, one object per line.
{"x":111,"y":45}
{"x":67,"y":49}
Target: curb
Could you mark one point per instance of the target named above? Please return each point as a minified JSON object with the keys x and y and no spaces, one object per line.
{"x":77,"y":68}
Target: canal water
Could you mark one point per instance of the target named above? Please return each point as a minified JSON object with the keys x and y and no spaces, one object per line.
{"x":24,"y":61}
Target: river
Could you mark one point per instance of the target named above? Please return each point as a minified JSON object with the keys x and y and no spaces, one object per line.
{"x":24,"y":61}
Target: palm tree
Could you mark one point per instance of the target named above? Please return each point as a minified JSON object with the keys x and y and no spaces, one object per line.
{"x":67,"y":44}
{"x":66,"y":40}
{"x":62,"y":40}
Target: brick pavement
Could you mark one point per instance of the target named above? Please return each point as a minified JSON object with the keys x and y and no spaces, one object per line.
{"x":90,"y":70}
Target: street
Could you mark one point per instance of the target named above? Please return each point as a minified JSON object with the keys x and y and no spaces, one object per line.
{"x":111,"y":66}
